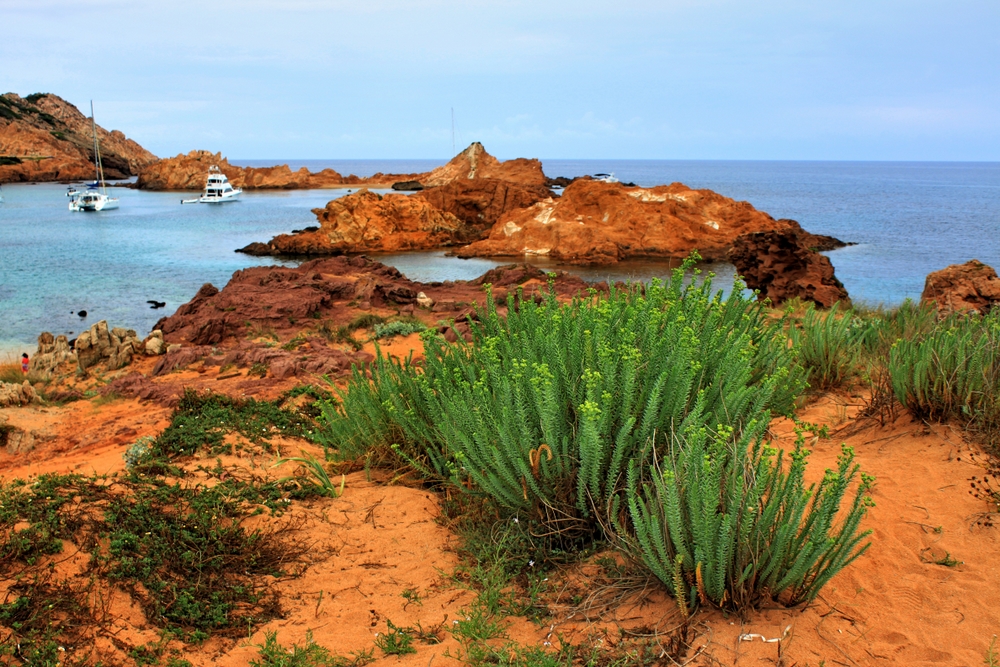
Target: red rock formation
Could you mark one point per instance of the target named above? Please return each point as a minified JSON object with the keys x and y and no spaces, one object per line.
{"x":972,"y":286}
{"x":45,"y":138}
{"x":474,"y":162}
{"x":369,"y":222}
{"x":601,"y":223}
{"x":481,"y":202}
{"x":188,"y":172}
{"x":270,"y":299}
{"x":781,"y":266}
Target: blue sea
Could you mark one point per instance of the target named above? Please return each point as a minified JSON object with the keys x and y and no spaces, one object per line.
{"x":907,"y":218}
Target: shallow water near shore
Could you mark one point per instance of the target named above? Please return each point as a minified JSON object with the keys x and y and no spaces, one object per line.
{"x":908,"y":219}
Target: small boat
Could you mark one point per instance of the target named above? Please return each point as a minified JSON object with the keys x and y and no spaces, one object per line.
{"x":96,"y":197}
{"x":218,"y":190}
{"x":606,"y":178}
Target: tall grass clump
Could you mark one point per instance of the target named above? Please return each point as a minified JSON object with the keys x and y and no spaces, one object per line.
{"x":951,"y":371}
{"x":719,"y":518}
{"x":547,"y":405}
{"x":827,"y":345}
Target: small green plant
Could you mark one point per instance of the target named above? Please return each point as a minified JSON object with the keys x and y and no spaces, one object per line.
{"x":397,"y":328}
{"x":258,"y":370}
{"x":320,"y":482}
{"x":395,"y":640}
{"x":140,"y":451}
{"x":826,"y":345}
{"x":412,"y":596}
{"x":992,"y":655}
{"x":273,"y":654}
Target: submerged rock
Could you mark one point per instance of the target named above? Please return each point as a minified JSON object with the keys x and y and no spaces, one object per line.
{"x":969,"y":287}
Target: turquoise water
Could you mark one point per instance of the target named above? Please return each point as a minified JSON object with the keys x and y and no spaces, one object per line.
{"x":908,"y":218}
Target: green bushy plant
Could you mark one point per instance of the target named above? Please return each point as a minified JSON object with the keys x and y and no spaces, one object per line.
{"x":719,"y":519}
{"x":397,"y":328}
{"x":827,"y":345}
{"x":545,"y":407}
{"x":951,"y":371}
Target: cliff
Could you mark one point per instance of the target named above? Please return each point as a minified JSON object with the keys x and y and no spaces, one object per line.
{"x":45,"y":138}
{"x":597,"y":222}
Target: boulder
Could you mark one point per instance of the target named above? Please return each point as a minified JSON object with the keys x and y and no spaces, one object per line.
{"x":969,"y":287}
{"x":780,"y":266}
{"x":602,"y":223}
{"x":366,"y":222}
{"x":154,"y":344}
{"x":481,"y":202}
{"x":408,"y":186}
{"x":12,"y":393}
{"x":52,"y":352}
{"x":113,"y":347}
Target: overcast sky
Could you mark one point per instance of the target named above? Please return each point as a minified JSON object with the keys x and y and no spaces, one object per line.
{"x":667,"y":79}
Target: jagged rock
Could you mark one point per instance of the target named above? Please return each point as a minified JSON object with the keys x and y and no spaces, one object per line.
{"x":968,"y":287}
{"x":12,"y":393}
{"x":366,"y":221}
{"x":781,"y":266}
{"x":602,"y":223}
{"x":52,"y":352}
{"x":479,"y":203}
{"x":114,"y":347}
{"x":474,"y":162}
{"x":408,"y":186}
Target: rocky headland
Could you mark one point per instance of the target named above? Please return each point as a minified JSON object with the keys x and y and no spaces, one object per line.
{"x":45,"y":138}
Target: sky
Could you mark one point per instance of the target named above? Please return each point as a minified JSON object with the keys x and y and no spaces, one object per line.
{"x":667,"y":79}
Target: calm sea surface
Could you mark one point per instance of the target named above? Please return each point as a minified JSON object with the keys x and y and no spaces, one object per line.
{"x":908,"y":219}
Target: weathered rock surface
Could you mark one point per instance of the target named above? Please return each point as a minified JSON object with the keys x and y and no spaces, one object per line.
{"x":601,"y":223}
{"x":12,"y":393}
{"x":262,"y":301}
{"x":972,"y":286}
{"x":367,"y":222}
{"x":781,"y":266}
{"x":474,"y":162}
{"x":52,"y":352}
{"x":479,"y":203}
{"x":45,"y":138}
{"x":113,"y":347}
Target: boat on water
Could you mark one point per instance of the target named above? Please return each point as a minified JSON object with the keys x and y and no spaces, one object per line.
{"x":606,"y":178}
{"x":218,"y":189}
{"x":95,"y":198}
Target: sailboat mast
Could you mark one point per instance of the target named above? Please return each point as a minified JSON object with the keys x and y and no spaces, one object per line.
{"x":97,"y":152}
{"x":93,"y":124}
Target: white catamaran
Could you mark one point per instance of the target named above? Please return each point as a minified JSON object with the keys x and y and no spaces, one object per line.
{"x":95,"y":198}
{"x":217,"y":189}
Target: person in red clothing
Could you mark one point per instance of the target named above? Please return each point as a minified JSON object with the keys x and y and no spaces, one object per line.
{"x":24,"y":363}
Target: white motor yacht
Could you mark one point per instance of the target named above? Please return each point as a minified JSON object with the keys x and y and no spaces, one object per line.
{"x":606,"y":178}
{"x":96,"y":197}
{"x":217,"y":189}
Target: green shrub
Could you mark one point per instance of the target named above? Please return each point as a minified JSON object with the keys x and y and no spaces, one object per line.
{"x":827,"y":345}
{"x":396,"y":328}
{"x":273,"y":654}
{"x":545,"y":408}
{"x":718,"y":519}
{"x":951,"y":371}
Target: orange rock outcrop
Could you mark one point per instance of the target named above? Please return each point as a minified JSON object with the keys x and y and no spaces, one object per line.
{"x":188,"y":172}
{"x":599,"y":222}
{"x":969,"y":287}
{"x":480,"y":202}
{"x":474,"y":163}
{"x":45,"y":138}
{"x":368,"y":222}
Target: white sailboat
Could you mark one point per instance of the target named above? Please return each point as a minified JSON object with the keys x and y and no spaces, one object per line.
{"x":218,"y":190}
{"x":96,"y":196}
